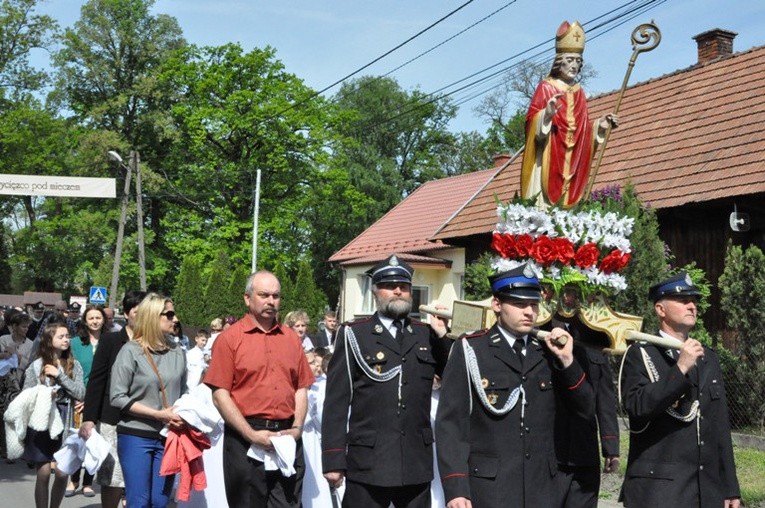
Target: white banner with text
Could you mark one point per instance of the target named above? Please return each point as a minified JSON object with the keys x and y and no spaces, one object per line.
{"x":62,"y":186}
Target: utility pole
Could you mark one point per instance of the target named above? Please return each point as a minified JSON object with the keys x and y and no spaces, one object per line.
{"x":135,"y":160}
{"x":256,"y":211}
{"x":120,"y":231}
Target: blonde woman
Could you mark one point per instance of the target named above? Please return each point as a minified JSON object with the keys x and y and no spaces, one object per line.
{"x":148,"y":376}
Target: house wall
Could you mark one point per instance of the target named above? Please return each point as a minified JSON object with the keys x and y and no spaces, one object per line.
{"x":445,"y":285}
{"x":700,"y":233}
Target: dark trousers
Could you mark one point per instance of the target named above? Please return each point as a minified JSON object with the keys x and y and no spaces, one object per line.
{"x":249,"y":485}
{"x":579,"y":486}
{"x":371,"y":496}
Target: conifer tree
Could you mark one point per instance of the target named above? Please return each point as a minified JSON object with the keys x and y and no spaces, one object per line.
{"x":215,"y":301}
{"x":189,"y":289}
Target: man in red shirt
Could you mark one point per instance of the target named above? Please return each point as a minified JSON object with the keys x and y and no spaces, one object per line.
{"x":260,"y":379}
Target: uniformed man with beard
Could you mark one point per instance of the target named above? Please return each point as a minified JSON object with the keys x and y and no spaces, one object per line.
{"x":376,"y":430}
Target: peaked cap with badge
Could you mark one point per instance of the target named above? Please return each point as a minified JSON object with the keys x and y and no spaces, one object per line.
{"x":38,"y":306}
{"x":486,"y":383}
{"x":520,"y":283}
{"x":391,"y":270}
{"x":679,"y":285}
{"x":376,"y":424}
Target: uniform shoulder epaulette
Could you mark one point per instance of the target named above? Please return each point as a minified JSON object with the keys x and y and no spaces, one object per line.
{"x":357,"y":321}
{"x":474,"y":333}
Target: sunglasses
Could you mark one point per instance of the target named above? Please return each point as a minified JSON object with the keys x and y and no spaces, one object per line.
{"x":170,"y":314}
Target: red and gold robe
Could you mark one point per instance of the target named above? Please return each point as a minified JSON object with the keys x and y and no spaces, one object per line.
{"x":558,"y":164}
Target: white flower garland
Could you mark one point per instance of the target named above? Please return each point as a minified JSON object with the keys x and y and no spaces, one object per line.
{"x":608,"y":230}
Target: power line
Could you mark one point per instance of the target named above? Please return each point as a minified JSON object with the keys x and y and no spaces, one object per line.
{"x":450,"y":38}
{"x":407,"y":41}
{"x":621,"y":18}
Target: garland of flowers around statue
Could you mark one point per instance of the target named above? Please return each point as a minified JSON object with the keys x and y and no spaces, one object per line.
{"x":582,"y":247}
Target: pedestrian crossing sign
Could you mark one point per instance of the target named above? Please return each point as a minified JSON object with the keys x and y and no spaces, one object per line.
{"x":97,"y":295}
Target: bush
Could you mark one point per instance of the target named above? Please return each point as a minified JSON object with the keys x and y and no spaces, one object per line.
{"x":742,"y":288}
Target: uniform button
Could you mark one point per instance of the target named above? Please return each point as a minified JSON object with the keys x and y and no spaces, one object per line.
{"x":403,"y":359}
{"x":475,"y":469}
{"x":523,"y":378}
{"x":702,"y":443}
{"x":528,"y":455}
{"x":527,"y":430}
{"x":405,"y":383}
{"x":650,"y":472}
{"x":403,"y":406}
{"x":701,"y":468}
{"x":403,"y":433}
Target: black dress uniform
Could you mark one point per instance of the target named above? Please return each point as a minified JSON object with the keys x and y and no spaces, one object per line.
{"x":680,"y":452}
{"x":385,"y":440}
{"x":505,"y":460}
{"x":578,"y":446}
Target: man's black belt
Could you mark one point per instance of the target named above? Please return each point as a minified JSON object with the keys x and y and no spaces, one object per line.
{"x":270,"y":424}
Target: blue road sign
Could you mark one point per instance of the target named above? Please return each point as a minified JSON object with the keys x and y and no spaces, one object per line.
{"x":97,"y":295}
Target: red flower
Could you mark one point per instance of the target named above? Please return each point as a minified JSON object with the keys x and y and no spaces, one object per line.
{"x":615,"y":261}
{"x":503,"y":245}
{"x":523,"y":245}
{"x":587,"y":255}
{"x":564,"y":250}
{"x":544,"y":251}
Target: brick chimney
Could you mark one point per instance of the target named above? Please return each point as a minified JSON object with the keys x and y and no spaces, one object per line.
{"x":714,"y":44}
{"x":500,"y":160}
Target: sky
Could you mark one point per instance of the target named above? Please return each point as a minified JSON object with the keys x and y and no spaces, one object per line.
{"x":322,"y":41}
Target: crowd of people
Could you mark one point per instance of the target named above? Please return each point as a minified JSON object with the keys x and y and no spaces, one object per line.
{"x":382,"y":411}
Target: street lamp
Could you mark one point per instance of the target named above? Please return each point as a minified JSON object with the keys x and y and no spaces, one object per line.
{"x":134,"y":167}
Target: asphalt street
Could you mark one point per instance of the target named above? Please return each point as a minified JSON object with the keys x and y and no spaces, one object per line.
{"x":17,"y":483}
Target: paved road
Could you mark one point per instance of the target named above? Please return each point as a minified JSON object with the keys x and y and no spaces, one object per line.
{"x":17,"y":483}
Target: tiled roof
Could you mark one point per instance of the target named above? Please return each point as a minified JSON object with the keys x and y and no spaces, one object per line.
{"x":415,"y":259}
{"x":407,"y":227}
{"x":691,"y":136}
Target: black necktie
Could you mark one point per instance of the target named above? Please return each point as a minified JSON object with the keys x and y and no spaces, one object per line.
{"x":398,"y":325}
{"x":518,"y":348}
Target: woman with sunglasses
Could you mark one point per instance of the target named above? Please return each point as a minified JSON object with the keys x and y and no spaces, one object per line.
{"x":148,"y":376}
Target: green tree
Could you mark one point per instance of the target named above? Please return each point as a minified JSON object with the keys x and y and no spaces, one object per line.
{"x":107,"y":78}
{"x":5,"y":268}
{"x":287,"y":302}
{"x":234,"y":299}
{"x":393,"y":137}
{"x":650,"y":261}
{"x":307,"y":295}
{"x":476,"y":283}
{"x":21,"y":30}
{"x":107,"y":66}
{"x":240,"y":112}
{"x":189,"y":291}
{"x":215,"y":300}
{"x":742,"y":288}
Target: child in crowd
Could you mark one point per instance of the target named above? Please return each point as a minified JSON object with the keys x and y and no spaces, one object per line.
{"x":197,"y":359}
{"x":55,"y":367}
{"x":298,"y":321}
{"x":316,"y":491}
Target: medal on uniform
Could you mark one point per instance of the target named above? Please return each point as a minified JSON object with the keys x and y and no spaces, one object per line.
{"x":378,"y":369}
{"x":378,"y":328}
{"x":380,"y":355}
{"x":484,"y":383}
{"x":492,"y":398}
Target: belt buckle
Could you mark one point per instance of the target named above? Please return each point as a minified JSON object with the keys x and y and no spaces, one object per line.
{"x":272,"y":425}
